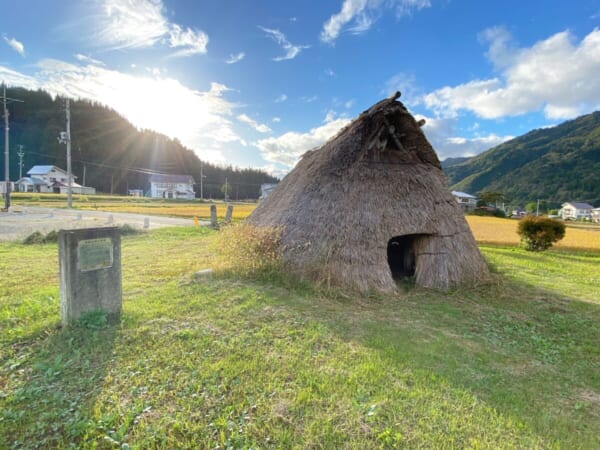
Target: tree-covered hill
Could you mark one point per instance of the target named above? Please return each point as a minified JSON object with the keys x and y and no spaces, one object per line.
{"x":557,"y":164}
{"x":114,"y":155}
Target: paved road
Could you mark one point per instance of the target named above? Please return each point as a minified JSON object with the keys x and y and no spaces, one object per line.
{"x":20,"y":222}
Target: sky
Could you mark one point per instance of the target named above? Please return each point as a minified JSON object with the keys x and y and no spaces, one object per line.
{"x":256,"y":83}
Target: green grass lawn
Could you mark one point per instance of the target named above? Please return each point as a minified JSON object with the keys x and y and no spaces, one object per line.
{"x":223,"y":362}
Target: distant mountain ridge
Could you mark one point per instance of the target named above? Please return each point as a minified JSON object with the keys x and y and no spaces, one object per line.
{"x":109,"y":152}
{"x":557,"y":164}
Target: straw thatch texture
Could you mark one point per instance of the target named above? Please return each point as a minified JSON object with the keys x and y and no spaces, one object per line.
{"x":377,"y":179}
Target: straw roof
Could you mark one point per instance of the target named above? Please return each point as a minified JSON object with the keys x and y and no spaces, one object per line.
{"x":376,"y":180}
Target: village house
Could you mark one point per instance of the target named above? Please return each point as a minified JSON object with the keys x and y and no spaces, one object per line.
{"x":466,"y":201}
{"x":576,"y":211}
{"x":265,"y":190}
{"x":172,"y":186}
{"x":596,"y":215}
{"x":51,"y":179}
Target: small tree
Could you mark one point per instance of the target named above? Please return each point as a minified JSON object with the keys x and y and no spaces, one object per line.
{"x":539,"y":233}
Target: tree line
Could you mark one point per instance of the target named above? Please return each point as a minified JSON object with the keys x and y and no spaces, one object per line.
{"x":109,"y":153}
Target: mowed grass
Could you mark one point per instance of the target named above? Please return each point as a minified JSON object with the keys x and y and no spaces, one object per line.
{"x":226,"y":362}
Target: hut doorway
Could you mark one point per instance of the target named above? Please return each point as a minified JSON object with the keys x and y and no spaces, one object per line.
{"x":401,"y":256}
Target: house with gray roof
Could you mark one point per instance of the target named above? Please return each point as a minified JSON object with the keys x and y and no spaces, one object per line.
{"x":576,"y":211}
{"x":172,"y":186}
{"x":51,"y":179}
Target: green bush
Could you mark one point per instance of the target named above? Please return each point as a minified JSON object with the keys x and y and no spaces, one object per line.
{"x":539,"y":233}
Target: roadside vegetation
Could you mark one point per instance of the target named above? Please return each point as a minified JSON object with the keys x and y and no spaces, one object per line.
{"x":263,"y":361}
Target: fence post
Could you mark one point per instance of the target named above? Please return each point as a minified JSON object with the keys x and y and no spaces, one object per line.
{"x":213,"y":217}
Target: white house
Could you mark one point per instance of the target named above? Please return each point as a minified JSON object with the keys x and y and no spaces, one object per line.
{"x":51,"y":179}
{"x":467,"y":201}
{"x":172,"y":186}
{"x":576,"y":211}
{"x":265,"y":190}
{"x":596,"y":215}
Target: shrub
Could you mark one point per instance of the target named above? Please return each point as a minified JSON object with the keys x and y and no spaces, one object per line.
{"x":246,"y":250}
{"x":539,"y":233}
{"x":34,"y":238}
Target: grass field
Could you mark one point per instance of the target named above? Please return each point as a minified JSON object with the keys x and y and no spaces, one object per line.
{"x":226,"y":362}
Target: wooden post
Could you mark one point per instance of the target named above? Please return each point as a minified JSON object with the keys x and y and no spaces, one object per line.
{"x":213,"y":217}
{"x":228,"y":214}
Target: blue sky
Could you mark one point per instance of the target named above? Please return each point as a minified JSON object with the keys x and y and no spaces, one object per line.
{"x":257,"y":83}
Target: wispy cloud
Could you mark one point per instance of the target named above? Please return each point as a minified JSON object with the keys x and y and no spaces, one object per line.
{"x":282,"y":98}
{"x":557,"y":75}
{"x":87,"y":59}
{"x":235,"y":58}
{"x":357,"y":16}
{"x":190,"y":42}
{"x":291,"y":51}
{"x":287,"y":148}
{"x":201,"y":120}
{"x":306,"y":99}
{"x":13,"y":78}
{"x":261,"y":128}
{"x":141,"y":24}
{"x":15,"y":45}
{"x":447,"y":141}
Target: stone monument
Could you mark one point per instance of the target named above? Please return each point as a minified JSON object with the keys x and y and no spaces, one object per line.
{"x":90,"y":272}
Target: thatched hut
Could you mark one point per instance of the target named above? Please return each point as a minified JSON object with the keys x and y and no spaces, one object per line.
{"x":371,"y":206}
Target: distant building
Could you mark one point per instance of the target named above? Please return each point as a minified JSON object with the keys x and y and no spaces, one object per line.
{"x":576,"y":211}
{"x":51,"y":179}
{"x":467,"y":201}
{"x":596,"y":215}
{"x":172,"y":186}
{"x":135,"y":192}
{"x":265,"y":190}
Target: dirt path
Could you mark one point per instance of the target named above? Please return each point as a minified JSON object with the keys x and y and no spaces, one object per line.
{"x":20,"y":222}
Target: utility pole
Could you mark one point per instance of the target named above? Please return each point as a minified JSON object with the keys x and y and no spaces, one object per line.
{"x":65,"y":138}
{"x":6,"y":152}
{"x":20,"y":154}
{"x":202,"y":176}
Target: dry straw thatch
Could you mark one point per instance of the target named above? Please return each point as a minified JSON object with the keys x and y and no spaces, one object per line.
{"x":372,"y":205}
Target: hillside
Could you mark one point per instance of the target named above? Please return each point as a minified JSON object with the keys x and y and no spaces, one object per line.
{"x":555,"y":164}
{"x":116,"y":155}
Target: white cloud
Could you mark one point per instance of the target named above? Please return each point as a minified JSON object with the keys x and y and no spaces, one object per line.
{"x":287,"y":148}
{"x":442,"y":135}
{"x":15,"y":45}
{"x":282,"y":98}
{"x":261,"y":128}
{"x":291,"y":51}
{"x":406,"y":83}
{"x":12,"y":78}
{"x":89,"y":60}
{"x":357,"y":16}
{"x":235,"y":58}
{"x":141,"y":24}
{"x":556,"y":75}
{"x":193,"y":41}
{"x":201,"y":120}
{"x":276,"y":119}
{"x":311,"y":99}
{"x":330,"y":73}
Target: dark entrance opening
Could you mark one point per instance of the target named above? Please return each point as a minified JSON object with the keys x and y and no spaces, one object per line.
{"x":401,"y":256}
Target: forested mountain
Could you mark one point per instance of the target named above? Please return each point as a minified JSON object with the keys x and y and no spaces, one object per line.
{"x":454,"y":161}
{"x":113,"y":153}
{"x":557,"y":164}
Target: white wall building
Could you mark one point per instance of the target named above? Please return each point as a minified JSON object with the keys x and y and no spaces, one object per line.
{"x":576,"y":211}
{"x":172,"y":186}
{"x":467,"y":201}
{"x":51,"y":179}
